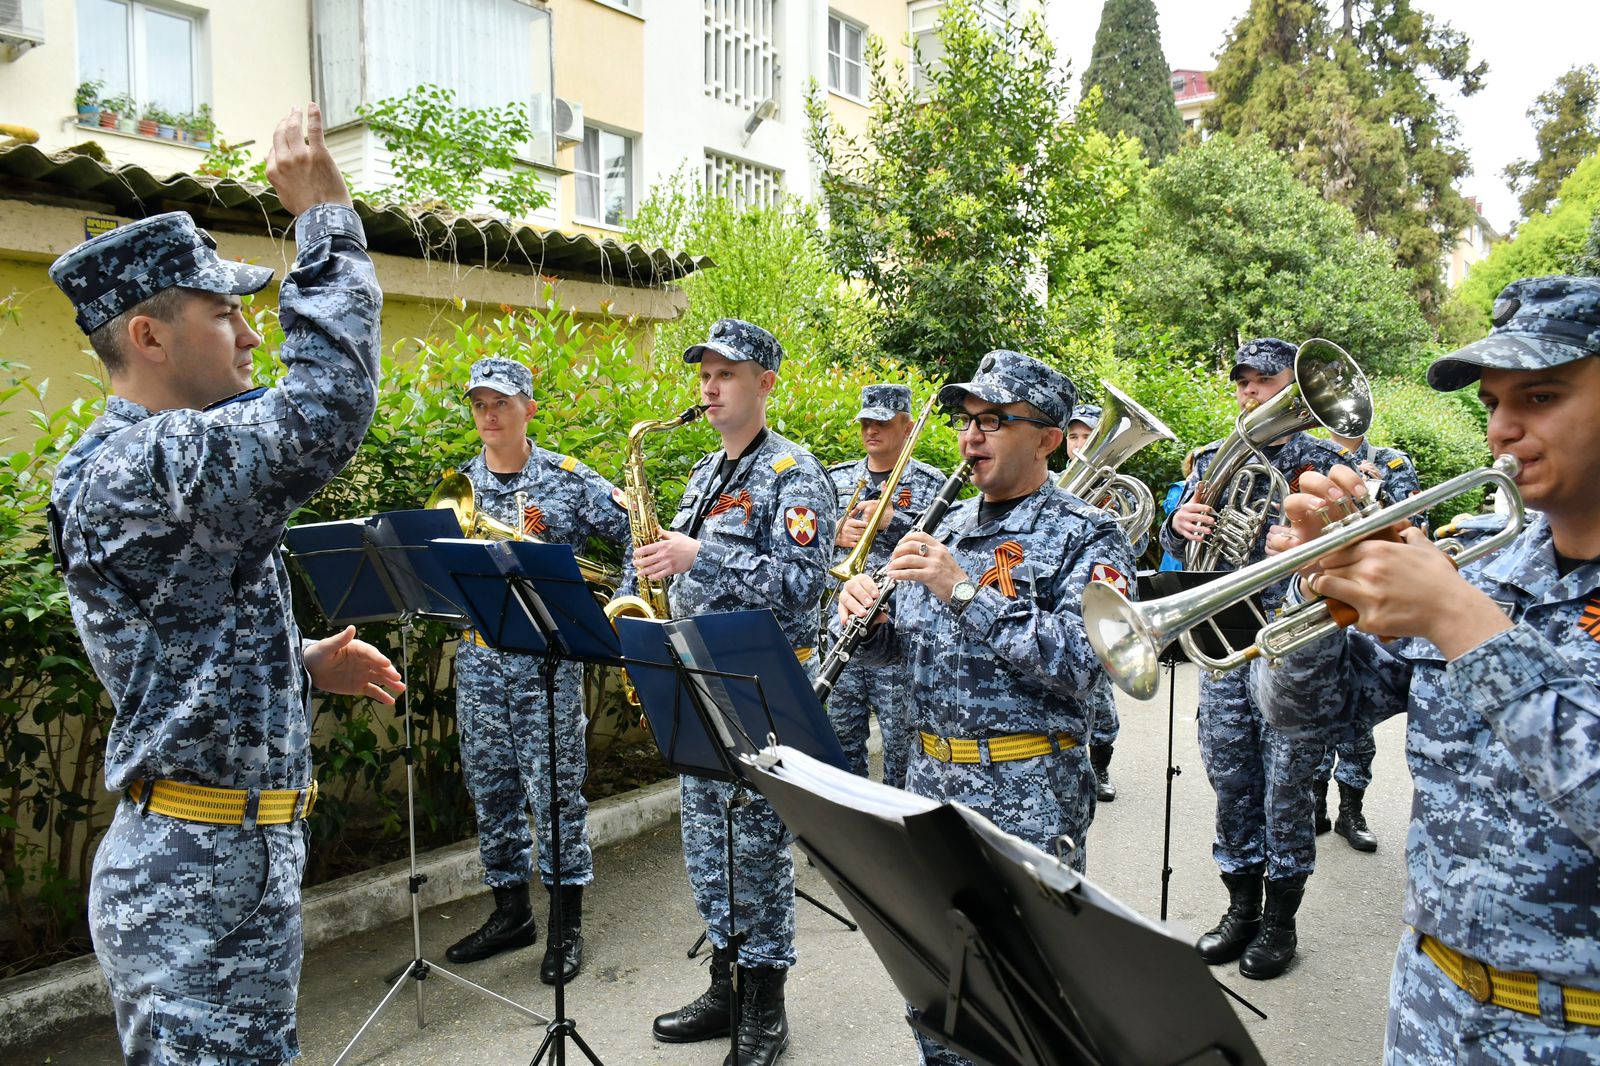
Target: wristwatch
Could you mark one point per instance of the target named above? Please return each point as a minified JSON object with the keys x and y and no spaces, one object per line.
{"x":962,"y":595}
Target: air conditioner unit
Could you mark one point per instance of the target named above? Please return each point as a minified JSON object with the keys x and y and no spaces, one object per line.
{"x":569,"y":120}
{"x":21,"y":26}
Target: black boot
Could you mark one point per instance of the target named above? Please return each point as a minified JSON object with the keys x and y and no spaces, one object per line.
{"x":1270,"y":953}
{"x":1100,"y":759}
{"x":763,"y":1025}
{"x":510,"y":926}
{"x":1320,"y":790}
{"x":1240,"y":922}
{"x":706,"y":1017}
{"x":1352,"y":824}
{"x":570,"y":933}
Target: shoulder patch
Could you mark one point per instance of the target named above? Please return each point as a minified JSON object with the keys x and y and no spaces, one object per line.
{"x":800,"y":523}
{"x":1396,"y":463}
{"x":1110,"y":575}
{"x":782,"y":463}
{"x":568,"y":463}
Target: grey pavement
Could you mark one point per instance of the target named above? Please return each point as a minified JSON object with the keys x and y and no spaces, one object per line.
{"x":639,"y":920}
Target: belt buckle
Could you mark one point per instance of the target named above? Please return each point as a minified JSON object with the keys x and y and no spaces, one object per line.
{"x":1475,"y":980}
{"x":941,"y":749}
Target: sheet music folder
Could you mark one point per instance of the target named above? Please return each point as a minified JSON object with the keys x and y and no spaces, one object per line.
{"x":740,"y":670}
{"x":1008,"y":955}
{"x":376,"y":568}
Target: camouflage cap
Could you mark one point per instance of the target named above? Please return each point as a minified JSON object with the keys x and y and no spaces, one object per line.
{"x":1538,"y":323}
{"x":880,"y":403}
{"x":1011,"y":377}
{"x":1265,"y":355}
{"x":107,"y":275}
{"x":741,"y":341}
{"x":505,"y":376}
{"x":1087,"y":413}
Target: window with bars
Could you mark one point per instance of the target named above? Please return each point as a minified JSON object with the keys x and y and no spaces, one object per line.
{"x":746,"y":184}
{"x":741,"y":51}
{"x":846,"y":70}
{"x":604,"y":173}
{"x":145,"y":51}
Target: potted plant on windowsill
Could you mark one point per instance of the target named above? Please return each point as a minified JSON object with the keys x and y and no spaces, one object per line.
{"x":202,"y":127}
{"x":148,"y":123}
{"x":109,"y":111}
{"x":125,"y":110}
{"x":166,"y":122}
{"x":88,"y":100}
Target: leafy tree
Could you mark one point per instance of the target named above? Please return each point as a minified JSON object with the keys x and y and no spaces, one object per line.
{"x":1588,"y":261}
{"x":1356,"y":109}
{"x":962,"y":190}
{"x":1135,"y":82}
{"x":1231,"y":245}
{"x":1566,"y":118}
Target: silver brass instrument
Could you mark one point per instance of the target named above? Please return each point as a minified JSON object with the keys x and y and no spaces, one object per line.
{"x":1128,"y":637}
{"x":455,"y":492}
{"x":1092,"y":476}
{"x":1329,"y":390}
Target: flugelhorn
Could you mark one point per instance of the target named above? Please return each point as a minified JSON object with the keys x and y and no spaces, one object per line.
{"x":856,"y":561}
{"x":1329,"y":390}
{"x":1128,"y":637}
{"x":1124,"y":429}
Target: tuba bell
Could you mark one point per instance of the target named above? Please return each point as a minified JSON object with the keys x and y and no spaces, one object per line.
{"x":1124,"y":429}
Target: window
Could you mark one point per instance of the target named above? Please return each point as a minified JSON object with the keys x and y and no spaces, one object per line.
{"x":604,"y":173}
{"x":148,"y":52}
{"x":746,"y":184}
{"x":846,"y":73}
{"x":741,"y":51}
{"x":928,"y":47}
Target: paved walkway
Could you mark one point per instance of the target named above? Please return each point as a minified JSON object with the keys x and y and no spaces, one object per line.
{"x":1329,"y":1009}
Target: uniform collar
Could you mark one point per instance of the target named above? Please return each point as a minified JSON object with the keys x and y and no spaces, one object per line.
{"x":121,"y":411}
{"x":479,"y":466}
{"x":1020,"y":519}
{"x":1529,"y":562}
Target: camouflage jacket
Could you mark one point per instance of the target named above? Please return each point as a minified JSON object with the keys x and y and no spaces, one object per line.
{"x":1399,"y":475}
{"x":169,"y":532}
{"x":1016,"y":659}
{"x":919,"y":484}
{"x":1504,"y":749}
{"x":563,"y":501}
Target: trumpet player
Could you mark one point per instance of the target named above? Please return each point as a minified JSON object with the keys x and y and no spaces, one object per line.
{"x":1265,"y":845}
{"x":1497,"y":668}
{"x":502,"y":711}
{"x":885,"y":423}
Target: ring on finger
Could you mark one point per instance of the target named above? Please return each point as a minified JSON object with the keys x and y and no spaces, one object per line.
{"x":922,"y":549}
{"x":1311,"y":583}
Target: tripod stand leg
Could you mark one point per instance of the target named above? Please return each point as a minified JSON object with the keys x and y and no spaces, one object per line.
{"x":825,"y":909}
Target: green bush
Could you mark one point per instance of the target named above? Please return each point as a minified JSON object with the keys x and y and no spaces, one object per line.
{"x":1438,"y":430}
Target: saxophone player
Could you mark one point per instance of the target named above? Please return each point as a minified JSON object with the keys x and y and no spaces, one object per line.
{"x":501,"y":706}
{"x":1265,"y":843}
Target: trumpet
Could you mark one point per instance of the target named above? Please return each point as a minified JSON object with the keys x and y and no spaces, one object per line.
{"x":856,"y":561}
{"x":1128,"y":637}
{"x":1124,"y":428}
{"x":1329,"y":389}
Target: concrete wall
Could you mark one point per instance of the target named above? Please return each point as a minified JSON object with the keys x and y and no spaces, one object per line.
{"x":600,"y":65}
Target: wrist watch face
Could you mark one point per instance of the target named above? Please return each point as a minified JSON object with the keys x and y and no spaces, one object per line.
{"x":962,"y":594}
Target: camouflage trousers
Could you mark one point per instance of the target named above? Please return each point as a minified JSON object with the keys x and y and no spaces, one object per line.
{"x":1355,"y":761}
{"x":1433,"y":1021}
{"x":197,"y":928}
{"x":862,"y":692}
{"x":1262,"y":780}
{"x":502,"y":718}
{"x":763,"y":875}
{"x":1104,"y":724}
{"x":1038,"y":800}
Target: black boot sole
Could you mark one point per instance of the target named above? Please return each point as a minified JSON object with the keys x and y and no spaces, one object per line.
{"x":719,"y":1034}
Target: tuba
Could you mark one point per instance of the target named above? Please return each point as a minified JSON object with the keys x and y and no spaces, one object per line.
{"x":1124,"y":428}
{"x":643,"y":526}
{"x":856,"y":561}
{"x":1329,"y":390}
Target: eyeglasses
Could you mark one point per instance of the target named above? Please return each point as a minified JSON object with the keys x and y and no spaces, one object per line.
{"x":989,"y":421}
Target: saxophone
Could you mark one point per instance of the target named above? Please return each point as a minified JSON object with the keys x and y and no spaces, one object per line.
{"x":643,"y":526}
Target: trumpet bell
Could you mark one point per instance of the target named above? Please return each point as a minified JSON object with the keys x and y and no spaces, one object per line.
{"x":1125,"y":642}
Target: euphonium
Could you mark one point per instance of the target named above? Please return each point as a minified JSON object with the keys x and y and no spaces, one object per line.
{"x":455,"y":492}
{"x":1328,"y":389}
{"x":1128,"y":637}
{"x":856,"y":561}
{"x":651,"y":601}
{"x":1092,"y":476}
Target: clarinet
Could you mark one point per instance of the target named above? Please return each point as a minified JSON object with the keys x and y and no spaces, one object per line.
{"x":855,"y":631}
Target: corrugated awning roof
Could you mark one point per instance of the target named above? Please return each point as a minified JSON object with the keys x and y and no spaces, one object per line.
{"x":223,"y":204}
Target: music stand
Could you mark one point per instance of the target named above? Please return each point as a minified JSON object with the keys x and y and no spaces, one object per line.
{"x":1004,"y":953}
{"x":708,"y":685}
{"x":530,"y":597}
{"x":381,"y":569}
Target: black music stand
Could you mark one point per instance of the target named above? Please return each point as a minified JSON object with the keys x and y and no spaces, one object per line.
{"x":382,"y":569}
{"x":1005,"y":955}
{"x":708,"y":685}
{"x":530,"y":597}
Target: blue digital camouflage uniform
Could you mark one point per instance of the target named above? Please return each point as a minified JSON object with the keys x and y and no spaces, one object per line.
{"x":764,"y":543}
{"x":1104,"y":726}
{"x":1262,"y":778}
{"x":169,"y":531}
{"x":860,"y":691}
{"x":502,"y":711}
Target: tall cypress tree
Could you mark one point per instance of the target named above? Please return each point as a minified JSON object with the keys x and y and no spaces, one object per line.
{"x":1135,"y":81}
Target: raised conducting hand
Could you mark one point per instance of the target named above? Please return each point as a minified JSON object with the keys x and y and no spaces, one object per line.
{"x":352,"y":667}
{"x":299,"y":165}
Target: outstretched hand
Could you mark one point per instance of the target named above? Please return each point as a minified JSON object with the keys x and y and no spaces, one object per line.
{"x":352,"y":667}
{"x":301,"y":169}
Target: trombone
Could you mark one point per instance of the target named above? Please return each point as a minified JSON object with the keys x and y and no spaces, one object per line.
{"x":856,"y":561}
{"x":1128,"y":637}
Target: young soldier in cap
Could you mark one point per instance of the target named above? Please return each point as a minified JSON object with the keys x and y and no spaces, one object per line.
{"x":885,"y":421}
{"x":986,"y":612}
{"x":1497,"y":668}
{"x":752,"y":531}
{"x":1265,"y":840}
{"x":502,"y":711}
{"x":1389,"y":470}
{"x":1103,"y":732}
{"x":167,"y":516}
